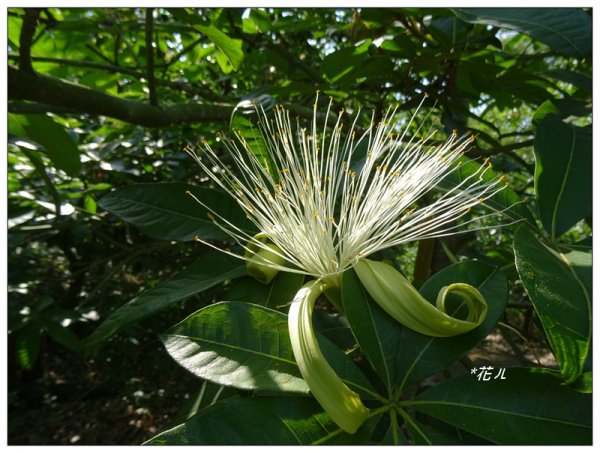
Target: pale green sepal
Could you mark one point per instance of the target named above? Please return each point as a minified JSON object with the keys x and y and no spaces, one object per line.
{"x":341,"y":404}
{"x":404,"y":303}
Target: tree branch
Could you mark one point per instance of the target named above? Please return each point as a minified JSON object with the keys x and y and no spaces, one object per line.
{"x":181,"y":85}
{"x":97,"y":52}
{"x":24,"y":85}
{"x":517,"y":145}
{"x":150,"y":57}
{"x":509,"y":150}
{"x":25,"y":38}
{"x":25,"y":108}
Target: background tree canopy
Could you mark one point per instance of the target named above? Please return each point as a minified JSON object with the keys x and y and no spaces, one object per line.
{"x":101,"y":105}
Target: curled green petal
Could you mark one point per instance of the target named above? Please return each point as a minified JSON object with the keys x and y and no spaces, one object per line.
{"x":404,"y":303}
{"x":343,"y":405}
{"x":470,"y":295}
{"x":262,"y":261}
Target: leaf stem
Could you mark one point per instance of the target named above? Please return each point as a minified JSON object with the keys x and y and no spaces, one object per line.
{"x":394,"y":426}
{"x":410,"y":421}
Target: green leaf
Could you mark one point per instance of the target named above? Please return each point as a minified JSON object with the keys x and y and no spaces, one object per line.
{"x":523,"y":85}
{"x":166,"y":211}
{"x":563,"y":174}
{"x":13,"y":30}
{"x":237,"y":344}
{"x":261,"y":19}
{"x":584,"y":383}
{"x":400,"y":355}
{"x":229,"y":47}
{"x":575,"y":78}
{"x":61,"y":149}
{"x":208,"y":395}
{"x":395,"y":434}
{"x":27,"y":345}
{"x":204,"y":273}
{"x":247,"y":346}
{"x":278,"y":420}
{"x":89,"y":204}
{"x":546,"y":108}
{"x":341,"y":62}
{"x":566,"y":30}
{"x":277,"y":294}
{"x":62,"y":335}
{"x":529,"y":407}
{"x":188,"y":16}
{"x":423,"y":434}
{"x":401,"y":46}
{"x":559,"y":284}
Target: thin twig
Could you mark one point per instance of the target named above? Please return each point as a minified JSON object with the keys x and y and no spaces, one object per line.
{"x":150,"y":57}
{"x":185,"y":50}
{"x":97,"y":52}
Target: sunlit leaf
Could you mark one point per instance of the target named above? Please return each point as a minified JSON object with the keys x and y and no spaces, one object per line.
{"x":230,"y":47}
{"x":247,"y":346}
{"x":61,"y":149}
{"x":27,"y":345}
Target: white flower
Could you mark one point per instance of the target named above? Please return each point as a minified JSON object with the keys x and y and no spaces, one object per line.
{"x":322,"y":209}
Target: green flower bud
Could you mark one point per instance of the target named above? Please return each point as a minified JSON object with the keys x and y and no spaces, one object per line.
{"x":343,"y":405}
{"x":404,"y":303}
{"x":263,"y":261}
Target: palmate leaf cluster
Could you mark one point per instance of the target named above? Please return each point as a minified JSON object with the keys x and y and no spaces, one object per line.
{"x":102,"y":104}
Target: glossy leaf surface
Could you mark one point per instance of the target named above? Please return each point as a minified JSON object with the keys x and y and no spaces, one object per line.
{"x":559,"y":284}
{"x":166,"y":211}
{"x":205,"y":273}
{"x":527,"y":406}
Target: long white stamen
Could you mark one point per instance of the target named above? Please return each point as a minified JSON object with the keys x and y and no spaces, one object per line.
{"x":323,"y":210}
